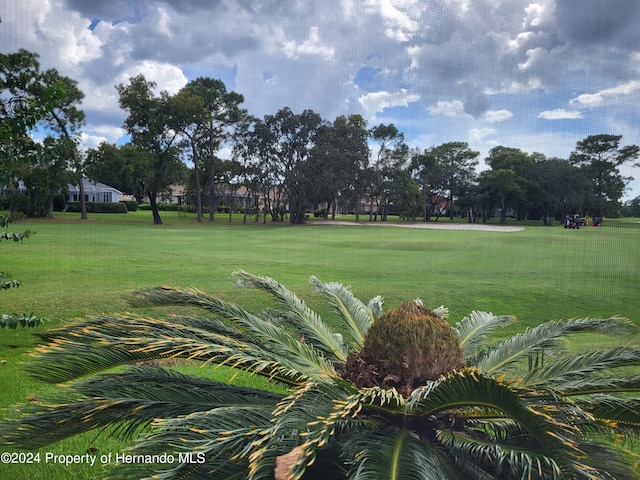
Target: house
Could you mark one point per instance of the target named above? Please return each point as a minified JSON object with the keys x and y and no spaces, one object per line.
{"x":93,"y":192}
{"x":6,"y":191}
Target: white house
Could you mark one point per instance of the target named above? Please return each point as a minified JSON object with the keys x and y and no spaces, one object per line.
{"x":93,"y":192}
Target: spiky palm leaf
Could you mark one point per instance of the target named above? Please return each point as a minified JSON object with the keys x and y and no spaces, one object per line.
{"x":489,"y":421}
{"x":474,"y":329}
{"x":548,"y":338}
{"x":356,"y":316}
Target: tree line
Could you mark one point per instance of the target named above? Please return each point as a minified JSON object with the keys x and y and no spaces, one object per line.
{"x":287,"y":163}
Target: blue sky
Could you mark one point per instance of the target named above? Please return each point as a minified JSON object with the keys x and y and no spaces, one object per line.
{"x":535,"y":75}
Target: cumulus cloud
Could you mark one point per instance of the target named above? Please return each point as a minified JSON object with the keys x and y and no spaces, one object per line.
{"x":477,"y":135}
{"x":375,"y":102}
{"x":397,"y":17}
{"x":494,"y":116}
{"x":560,"y":114}
{"x":598,"y":98}
{"x":311,"y":46}
{"x":448,"y":109}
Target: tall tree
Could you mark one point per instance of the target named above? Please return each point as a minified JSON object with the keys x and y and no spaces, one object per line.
{"x":190,"y":111}
{"x":65,"y":119}
{"x":32,"y":98}
{"x":153,"y":128}
{"x":340,"y":156}
{"x":503,"y":189}
{"x":457,"y":164}
{"x":555,"y":188}
{"x":445,"y":172}
{"x":404,"y":194}
{"x":390,"y":152}
{"x":18,"y":113}
{"x":281,"y":143}
{"x":254,"y":175}
{"x":210,"y":115}
{"x":518,"y":163}
{"x":601,"y":156}
{"x":426,"y":169}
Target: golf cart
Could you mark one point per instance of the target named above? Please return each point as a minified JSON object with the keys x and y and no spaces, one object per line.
{"x":574,"y":220}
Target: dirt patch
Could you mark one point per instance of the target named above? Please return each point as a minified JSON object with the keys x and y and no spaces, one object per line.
{"x":429,"y":225}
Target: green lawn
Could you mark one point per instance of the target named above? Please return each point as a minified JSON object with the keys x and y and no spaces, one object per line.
{"x":72,"y":268}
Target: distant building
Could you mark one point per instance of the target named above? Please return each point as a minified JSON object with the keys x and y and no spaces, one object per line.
{"x":93,"y":192}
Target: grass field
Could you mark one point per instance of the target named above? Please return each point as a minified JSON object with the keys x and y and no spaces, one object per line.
{"x":72,"y":268}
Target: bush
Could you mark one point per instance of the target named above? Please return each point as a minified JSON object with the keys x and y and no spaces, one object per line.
{"x":58,"y":203}
{"x":98,"y":207}
{"x":132,"y":205}
{"x":169,"y":207}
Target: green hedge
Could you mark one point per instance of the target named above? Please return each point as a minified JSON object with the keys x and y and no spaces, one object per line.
{"x":98,"y":207}
{"x":169,"y":207}
{"x":174,"y":207}
{"x":132,"y":205}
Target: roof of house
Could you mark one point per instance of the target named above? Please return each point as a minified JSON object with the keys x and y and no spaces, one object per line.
{"x":90,"y":186}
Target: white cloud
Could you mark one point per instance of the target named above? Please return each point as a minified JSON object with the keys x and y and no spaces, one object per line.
{"x":167,"y":77}
{"x":477,"y":135}
{"x":517,"y":87}
{"x":91,"y":141}
{"x":375,"y":102}
{"x":448,"y":109}
{"x":560,"y":114}
{"x":109,"y":134}
{"x":598,"y":98}
{"x":401,"y":27}
{"x":311,"y":46}
{"x":534,"y":56}
{"x":493,"y":116}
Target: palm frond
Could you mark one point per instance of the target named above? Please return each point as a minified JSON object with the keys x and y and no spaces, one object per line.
{"x":567,"y":373}
{"x":498,"y":460}
{"x":596,"y":384}
{"x":610,"y":463}
{"x":301,"y":317}
{"x":442,"y":312}
{"x":616,"y":326}
{"x":475,"y":328}
{"x":104,"y":343}
{"x":219,"y":441}
{"x":128,"y":401}
{"x":293,"y":417}
{"x":615,"y":412}
{"x":353,"y":412}
{"x":395,"y":454}
{"x":547,"y":338}
{"x":375,"y":305}
{"x":355,"y":316}
{"x":548,"y":420}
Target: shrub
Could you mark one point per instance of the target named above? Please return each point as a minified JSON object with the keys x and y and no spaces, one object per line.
{"x":170,"y":207}
{"x":132,"y":205}
{"x":58,"y":203}
{"x":98,"y":207}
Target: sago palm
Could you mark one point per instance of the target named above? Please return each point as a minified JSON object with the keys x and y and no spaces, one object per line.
{"x":393,"y":395}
